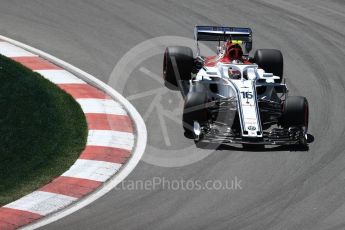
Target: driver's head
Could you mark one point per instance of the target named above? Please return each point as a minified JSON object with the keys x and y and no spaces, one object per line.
{"x":234,"y":74}
{"x":234,"y":51}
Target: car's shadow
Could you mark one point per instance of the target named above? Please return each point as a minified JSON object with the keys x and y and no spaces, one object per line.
{"x":257,"y":148}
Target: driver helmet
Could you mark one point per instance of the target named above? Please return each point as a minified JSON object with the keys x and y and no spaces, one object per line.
{"x":234,"y":51}
{"x":234,"y":74}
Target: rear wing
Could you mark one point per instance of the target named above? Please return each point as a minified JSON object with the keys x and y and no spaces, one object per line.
{"x":222,"y":33}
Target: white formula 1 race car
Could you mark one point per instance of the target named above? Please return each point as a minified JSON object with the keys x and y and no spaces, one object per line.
{"x":232,"y":97}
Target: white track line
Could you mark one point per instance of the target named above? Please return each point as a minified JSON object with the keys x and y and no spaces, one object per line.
{"x":10,"y":50}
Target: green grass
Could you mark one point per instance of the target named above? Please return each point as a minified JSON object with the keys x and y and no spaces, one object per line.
{"x":42,"y":131}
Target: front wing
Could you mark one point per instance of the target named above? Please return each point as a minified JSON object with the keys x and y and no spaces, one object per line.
{"x":291,"y":136}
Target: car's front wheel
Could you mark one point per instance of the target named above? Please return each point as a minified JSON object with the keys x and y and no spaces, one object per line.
{"x":177,"y":65}
{"x":194,"y":110}
{"x":295,"y":113}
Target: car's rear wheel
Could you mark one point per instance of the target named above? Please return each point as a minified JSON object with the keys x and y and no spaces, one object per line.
{"x":270,"y":60}
{"x":194,"y":110}
{"x":177,"y":65}
{"x":295,"y":113}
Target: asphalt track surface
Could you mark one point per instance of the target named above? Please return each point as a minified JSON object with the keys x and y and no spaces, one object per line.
{"x":281,"y":189}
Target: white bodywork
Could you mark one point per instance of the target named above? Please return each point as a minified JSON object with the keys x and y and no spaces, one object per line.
{"x":245,"y":86}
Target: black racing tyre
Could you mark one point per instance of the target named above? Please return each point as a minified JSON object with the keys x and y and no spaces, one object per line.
{"x":194,"y":110}
{"x":270,"y":60}
{"x":295,"y":112}
{"x":183,"y":57}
